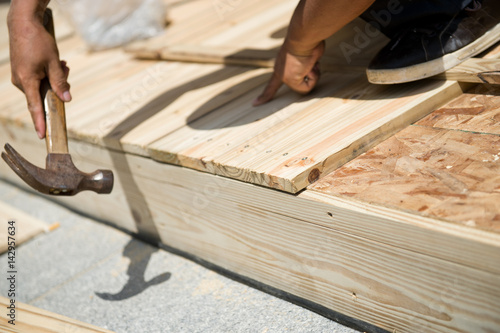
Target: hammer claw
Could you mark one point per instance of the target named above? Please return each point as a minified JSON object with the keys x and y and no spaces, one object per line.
{"x":20,"y":166}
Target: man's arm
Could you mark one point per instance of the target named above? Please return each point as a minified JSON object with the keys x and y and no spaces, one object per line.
{"x":312,"y":22}
{"x":34,"y":56}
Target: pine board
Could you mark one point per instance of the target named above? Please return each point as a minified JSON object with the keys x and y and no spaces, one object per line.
{"x":242,"y":39}
{"x":476,"y":70}
{"x":287,"y":145}
{"x":200,"y":115}
{"x":447,"y":166}
{"x":32,"y":319}
{"x":26,"y":226}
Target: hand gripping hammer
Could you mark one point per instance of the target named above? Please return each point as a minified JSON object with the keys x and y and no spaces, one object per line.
{"x":60,"y":176}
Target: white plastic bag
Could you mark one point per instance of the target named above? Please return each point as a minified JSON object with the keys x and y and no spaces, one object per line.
{"x":111,"y":23}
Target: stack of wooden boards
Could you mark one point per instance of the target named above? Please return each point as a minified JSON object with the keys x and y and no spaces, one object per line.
{"x":403,"y":238}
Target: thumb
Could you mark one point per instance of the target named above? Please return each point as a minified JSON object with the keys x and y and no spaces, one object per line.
{"x":58,"y":73}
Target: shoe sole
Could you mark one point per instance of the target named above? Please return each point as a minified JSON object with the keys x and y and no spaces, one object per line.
{"x":436,"y":66}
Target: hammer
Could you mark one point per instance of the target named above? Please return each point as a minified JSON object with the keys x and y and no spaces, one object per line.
{"x":60,"y":176}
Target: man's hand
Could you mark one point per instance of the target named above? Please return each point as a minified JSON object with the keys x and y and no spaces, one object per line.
{"x":299,"y":70}
{"x":312,"y":22}
{"x":34,"y":56}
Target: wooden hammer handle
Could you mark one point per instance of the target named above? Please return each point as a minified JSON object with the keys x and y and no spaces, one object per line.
{"x":55,"y":115}
{"x":55,"y":121}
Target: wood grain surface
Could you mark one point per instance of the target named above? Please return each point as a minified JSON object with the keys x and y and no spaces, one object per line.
{"x":392,"y":268}
{"x":200,"y":115}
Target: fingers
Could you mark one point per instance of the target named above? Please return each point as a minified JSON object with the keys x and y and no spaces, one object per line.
{"x":299,"y":72}
{"x":32,"y":92}
{"x":65,"y":69}
{"x":58,"y":73}
{"x":269,"y":91}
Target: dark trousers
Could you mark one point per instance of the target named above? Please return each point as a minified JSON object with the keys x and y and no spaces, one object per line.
{"x":390,"y":16}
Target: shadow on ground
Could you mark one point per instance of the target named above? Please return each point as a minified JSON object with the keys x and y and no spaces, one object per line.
{"x":139,"y":254}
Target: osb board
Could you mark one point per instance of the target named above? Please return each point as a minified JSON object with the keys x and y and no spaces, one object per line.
{"x":23,"y":228}
{"x":447,"y":166}
{"x":31,"y":319}
{"x":476,"y":111}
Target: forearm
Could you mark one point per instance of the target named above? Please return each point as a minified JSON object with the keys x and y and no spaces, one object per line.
{"x":316,"y":20}
{"x":26,"y":10}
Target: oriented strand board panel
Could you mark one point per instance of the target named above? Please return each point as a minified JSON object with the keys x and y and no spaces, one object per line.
{"x":450,"y":171}
{"x":25,"y":226}
{"x":476,"y":111}
{"x":31,"y":319}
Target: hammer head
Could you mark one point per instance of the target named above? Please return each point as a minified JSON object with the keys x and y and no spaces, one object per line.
{"x":60,"y":177}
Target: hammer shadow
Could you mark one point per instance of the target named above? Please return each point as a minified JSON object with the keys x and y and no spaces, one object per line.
{"x":139,"y":254}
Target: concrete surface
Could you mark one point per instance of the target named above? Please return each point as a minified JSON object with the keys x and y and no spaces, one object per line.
{"x":92,"y":272}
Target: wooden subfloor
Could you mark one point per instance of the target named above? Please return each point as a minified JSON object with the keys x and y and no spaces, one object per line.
{"x":374,"y":205}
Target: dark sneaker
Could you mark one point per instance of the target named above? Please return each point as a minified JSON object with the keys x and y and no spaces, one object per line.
{"x":436,"y":46}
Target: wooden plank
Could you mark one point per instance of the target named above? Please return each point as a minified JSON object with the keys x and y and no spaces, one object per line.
{"x":257,"y":46}
{"x":200,"y":116}
{"x":186,"y":103}
{"x":396,"y":270}
{"x":475,"y":70}
{"x":288,"y":147}
{"x":119,"y":103}
{"x":197,"y":21}
{"x":31,"y":319}
{"x":25,"y":226}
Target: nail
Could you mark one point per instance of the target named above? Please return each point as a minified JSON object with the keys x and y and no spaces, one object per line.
{"x":40,"y":134}
{"x":67,"y":96}
{"x":255,"y":102}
